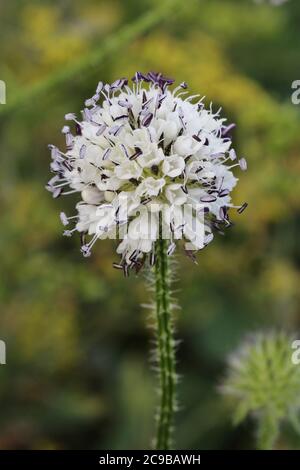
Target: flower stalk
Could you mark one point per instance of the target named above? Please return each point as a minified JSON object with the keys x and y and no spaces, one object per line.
{"x":165,"y":346}
{"x":268,"y":431}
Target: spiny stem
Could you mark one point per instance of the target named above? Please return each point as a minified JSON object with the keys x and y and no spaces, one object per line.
{"x":267,"y":431}
{"x":165,"y":346}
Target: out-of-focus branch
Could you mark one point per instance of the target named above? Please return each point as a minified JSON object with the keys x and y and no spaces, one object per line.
{"x":114,"y":43}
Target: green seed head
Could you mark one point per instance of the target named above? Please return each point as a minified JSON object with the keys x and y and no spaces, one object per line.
{"x":263,"y":380}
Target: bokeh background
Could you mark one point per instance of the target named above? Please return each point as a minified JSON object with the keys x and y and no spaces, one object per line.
{"x":78,"y":373}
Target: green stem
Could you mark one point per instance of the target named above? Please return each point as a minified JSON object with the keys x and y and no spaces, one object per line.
{"x":267,"y":431}
{"x":165,"y":346}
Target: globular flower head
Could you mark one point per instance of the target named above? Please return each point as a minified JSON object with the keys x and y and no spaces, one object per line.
{"x":147,"y":162}
{"x":263,"y":381}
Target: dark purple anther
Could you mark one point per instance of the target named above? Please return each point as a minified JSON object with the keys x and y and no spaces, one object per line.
{"x":78,"y":129}
{"x":118,"y":84}
{"x":223,"y":213}
{"x":224,"y":192}
{"x":208,"y":198}
{"x":106,"y":154}
{"x":115,"y":130}
{"x":82,"y":151}
{"x":227,"y":129}
{"x":101,"y":129}
{"x":147,"y":119}
{"x":242,"y":208}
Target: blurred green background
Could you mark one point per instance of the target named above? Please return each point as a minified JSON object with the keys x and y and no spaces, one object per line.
{"x":78,"y":372}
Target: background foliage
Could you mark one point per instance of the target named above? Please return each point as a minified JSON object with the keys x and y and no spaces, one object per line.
{"x":77,"y":373}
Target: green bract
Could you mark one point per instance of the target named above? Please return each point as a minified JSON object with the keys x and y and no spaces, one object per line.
{"x":263,"y":381}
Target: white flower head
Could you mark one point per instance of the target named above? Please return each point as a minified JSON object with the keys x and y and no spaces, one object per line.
{"x":148,"y":162}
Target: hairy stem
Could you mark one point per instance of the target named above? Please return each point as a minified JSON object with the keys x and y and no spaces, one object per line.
{"x":165,"y":346}
{"x":267,"y":431}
